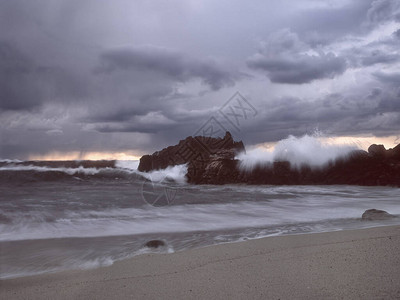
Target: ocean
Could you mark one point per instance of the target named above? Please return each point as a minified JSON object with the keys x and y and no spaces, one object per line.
{"x":85,"y":214}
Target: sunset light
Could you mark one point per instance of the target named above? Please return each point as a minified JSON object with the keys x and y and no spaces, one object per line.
{"x":76,"y":155}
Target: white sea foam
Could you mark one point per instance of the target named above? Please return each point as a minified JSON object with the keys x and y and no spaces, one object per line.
{"x":308,"y":149}
{"x":111,"y":230}
{"x":130,"y":165}
{"x":70,"y":171}
{"x":311,"y":205}
{"x":67,"y":263}
{"x":175,"y":173}
{"x":6,"y":160}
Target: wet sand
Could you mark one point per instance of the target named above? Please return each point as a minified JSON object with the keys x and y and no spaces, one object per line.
{"x":353,"y":264}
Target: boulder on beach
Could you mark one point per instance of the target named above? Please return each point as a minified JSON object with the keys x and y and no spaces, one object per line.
{"x":376,"y":214}
{"x":154,"y":244}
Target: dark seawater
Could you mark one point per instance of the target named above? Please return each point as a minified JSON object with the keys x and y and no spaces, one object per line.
{"x":85,"y":214}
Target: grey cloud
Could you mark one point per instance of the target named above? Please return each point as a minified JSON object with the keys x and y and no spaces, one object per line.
{"x":73,"y":138}
{"x":169,"y":62}
{"x":60,"y":90}
{"x":150,"y":122}
{"x":284,"y":40}
{"x":374,"y":111}
{"x":388,"y":78}
{"x":370,"y":55}
{"x":135,"y":96}
{"x":382,"y":51}
{"x":291,"y":57}
{"x":383,"y":11}
{"x":25,"y":84}
{"x":321,"y":26}
{"x":284,"y":59}
{"x":128,"y":127}
{"x":19,"y":88}
{"x":389,"y":97}
{"x":300,"y":68}
{"x":377,"y":57}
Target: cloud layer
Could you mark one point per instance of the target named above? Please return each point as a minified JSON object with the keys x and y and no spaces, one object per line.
{"x":285,"y":60}
{"x":133,"y":75}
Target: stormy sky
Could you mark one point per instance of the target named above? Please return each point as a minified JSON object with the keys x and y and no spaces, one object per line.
{"x":135,"y":76}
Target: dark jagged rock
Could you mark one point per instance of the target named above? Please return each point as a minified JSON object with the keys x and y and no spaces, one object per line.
{"x":212,"y":161}
{"x":219,"y":168}
{"x":394,"y":153}
{"x":192,"y":149}
{"x":155,"y":244}
{"x":380,"y":152}
{"x":376,"y":214}
{"x":357,"y":168}
{"x":377,"y":150}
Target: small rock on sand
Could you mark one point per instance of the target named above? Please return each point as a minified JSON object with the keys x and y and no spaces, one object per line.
{"x":376,"y":214}
{"x":155,"y":244}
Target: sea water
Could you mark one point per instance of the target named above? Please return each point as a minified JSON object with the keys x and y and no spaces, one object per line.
{"x":77,"y":215}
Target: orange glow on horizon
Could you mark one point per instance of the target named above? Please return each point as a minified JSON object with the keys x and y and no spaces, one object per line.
{"x":77,"y":155}
{"x":362,"y":142}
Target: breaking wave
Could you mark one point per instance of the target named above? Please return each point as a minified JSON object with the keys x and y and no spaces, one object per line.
{"x":31,"y":171}
{"x":295,"y":205}
{"x":174,"y":173}
{"x":306,"y":150}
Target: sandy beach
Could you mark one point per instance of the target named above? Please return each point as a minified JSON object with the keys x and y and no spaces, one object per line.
{"x":353,"y":264}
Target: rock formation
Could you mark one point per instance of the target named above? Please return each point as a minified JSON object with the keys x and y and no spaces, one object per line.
{"x":212,"y":161}
{"x":192,"y":149}
{"x":155,"y":244}
{"x":376,"y":214}
{"x":377,"y":151}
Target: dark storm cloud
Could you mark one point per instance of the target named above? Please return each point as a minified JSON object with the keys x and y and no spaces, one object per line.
{"x":388,"y":78}
{"x":284,"y":61}
{"x":67,"y":84}
{"x":320,"y":26}
{"x":144,"y":81}
{"x":19,"y":88}
{"x":371,"y":55}
{"x":133,"y":127}
{"x":25,"y":85}
{"x":150,"y":122}
{"x":383,"y":11}
{"x":169,"y":62}
{"x":373,"y":110}
{"x":378,"y":57}
{"x":299,"y":69}
{"x":167,"y":121}
{"x":379,"y":52}
{"x":299,"y":56}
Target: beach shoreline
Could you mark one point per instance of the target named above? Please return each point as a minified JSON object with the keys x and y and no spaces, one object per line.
{"x":361,"y":263}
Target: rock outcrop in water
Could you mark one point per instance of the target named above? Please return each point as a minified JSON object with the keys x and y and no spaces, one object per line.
{"x":357,"y":168}
{"x":205,"y":156}
{"x":212,"y":161}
